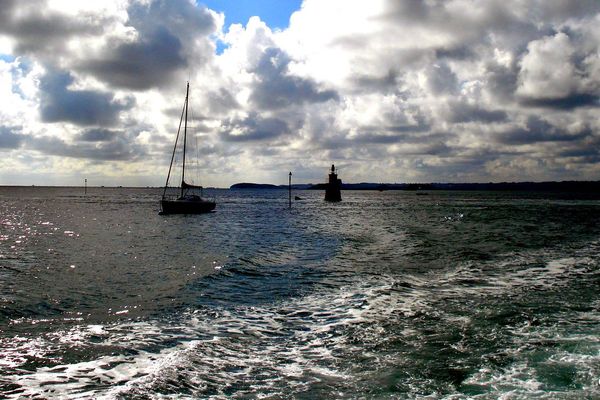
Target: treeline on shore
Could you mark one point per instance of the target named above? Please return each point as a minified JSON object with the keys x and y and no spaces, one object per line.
{"x":563,"y":186}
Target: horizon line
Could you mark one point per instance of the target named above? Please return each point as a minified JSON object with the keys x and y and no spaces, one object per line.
{"x":311,"y":183}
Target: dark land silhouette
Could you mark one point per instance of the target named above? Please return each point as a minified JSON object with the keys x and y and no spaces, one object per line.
{"x":550,"y":186}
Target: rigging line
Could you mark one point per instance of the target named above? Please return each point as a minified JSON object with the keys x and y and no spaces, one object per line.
{"x":174,"y":148}
{"x":193,"y":133}
{"x":197,"y":160}
{"x":187,"y":93}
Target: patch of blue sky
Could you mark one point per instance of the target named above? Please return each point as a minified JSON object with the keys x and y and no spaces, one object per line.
{"x":275,"y":13}
{"x":20,"y":67}
{"x":24,"y":65}
{"x":220,"y":46}
{"x":7,"y":57}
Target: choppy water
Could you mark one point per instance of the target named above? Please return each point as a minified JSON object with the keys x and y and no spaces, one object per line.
{"x":385,"y":295}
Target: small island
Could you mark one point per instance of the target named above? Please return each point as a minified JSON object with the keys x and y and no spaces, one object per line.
{"x":245,"y":185}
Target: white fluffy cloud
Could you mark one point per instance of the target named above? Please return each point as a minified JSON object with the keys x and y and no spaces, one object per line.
{"x":455,"y":90}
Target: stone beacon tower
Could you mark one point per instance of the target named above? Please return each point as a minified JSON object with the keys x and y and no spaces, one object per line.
{"x":334,"y":187}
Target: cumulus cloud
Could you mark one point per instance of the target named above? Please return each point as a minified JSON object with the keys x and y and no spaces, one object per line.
{"x":276,"y":88}
{"x":538,"y":130}
{"x":462,"y":111}
{"x":551,"y":75}
{"x":81,"y":107}
{"x":118,"y":148}
{"x":97,"y":135}
{"x":254,"y":128}
{"x":140,"y":65}
{"x":436,"y":90}
{"x":170,"y":37}
{"x":40,"y":31}
{"x":9,"y":139}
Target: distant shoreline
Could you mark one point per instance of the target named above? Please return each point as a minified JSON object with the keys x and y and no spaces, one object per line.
{"x":550,"y":186}
{"x":567,"y":186}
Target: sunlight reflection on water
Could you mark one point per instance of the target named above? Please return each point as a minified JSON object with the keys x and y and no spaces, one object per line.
{"x":384,"y":294}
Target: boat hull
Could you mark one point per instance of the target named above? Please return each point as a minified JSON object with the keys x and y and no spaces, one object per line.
{"x":186,"y":206}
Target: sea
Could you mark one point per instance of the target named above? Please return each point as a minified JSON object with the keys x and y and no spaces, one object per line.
{"x":385,"y":295}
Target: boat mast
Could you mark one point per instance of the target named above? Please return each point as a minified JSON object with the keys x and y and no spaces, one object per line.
{"x":174,"y":148}
{"x":187,"y":91}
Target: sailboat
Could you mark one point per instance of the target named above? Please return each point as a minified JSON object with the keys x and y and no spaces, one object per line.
{"x":188,"y":202}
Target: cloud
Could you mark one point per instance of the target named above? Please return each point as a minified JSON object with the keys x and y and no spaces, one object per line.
{"x":254,"y":128}
{"x":171,"y":37}
{"x":465,"y":112}
{"x":119,"y":148}
{"x":97,"y":135}
{"x":382,"y":84}
{"x":401,"y":90}
{"x":9,"y":139}
{"x":275,"y":87}
{"x":58,"y":103}
{"x":553,"y":75}
{"x":154,"y":61}
{"x":537,"y":130}
{"x":221,"y":101}
{"x":440,"y":79}
{"x":39,"y":30}
{"x":565,"y":103}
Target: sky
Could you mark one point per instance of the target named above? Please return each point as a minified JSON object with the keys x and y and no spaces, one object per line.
{"x":387,"y":90}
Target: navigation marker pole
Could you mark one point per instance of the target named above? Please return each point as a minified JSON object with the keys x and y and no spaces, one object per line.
{"x":290,"y":188}
{"x":85,"y":186}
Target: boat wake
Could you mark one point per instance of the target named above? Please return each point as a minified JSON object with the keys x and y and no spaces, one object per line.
{"x":337,"y":340}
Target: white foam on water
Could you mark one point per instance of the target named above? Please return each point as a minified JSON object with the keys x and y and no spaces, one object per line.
{"x":286,"y":347}
{"x":516,"y":379}
{"x":542,"y":356}
{"x":237,"y":344}
{"x":84,"y":379}
{"x":545,"y":268}
{"x":522,"y":379}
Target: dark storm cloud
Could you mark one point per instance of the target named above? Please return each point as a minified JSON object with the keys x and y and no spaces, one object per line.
{"x":457,"y":53}
{"x":275,"y":88}
{"x":221,"y":101}
{"x":441,"y":79}
{"x":376,"y":138}
{"x":501,"y":81}
{"x":409,"y":10}
{"x":97,"y":135}
{"x":182,"y":17}
{"x":452,"y":169}
{"x":80,"y":107}
{"x":464,"y":112}
{"x":254,"y":128}
{"x":538,"y":131}
{"x":397,"y":132}
{"x":420,"y":127}
{"x":117,"y":149}
{"x":586,"y":152}
{"x":558,"y":10}
{"x":462,"y":28}
{"x":167,"y":32}
{"x":382,"y":84}
{"x":140,"y":65}
{"x":419,"y":141}
{"x":563,"y":103}
{"x":41,"y":31}
{"x":9,"y":139}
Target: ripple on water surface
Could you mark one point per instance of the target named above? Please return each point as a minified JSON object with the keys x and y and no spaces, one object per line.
{"x":384,"y":296}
